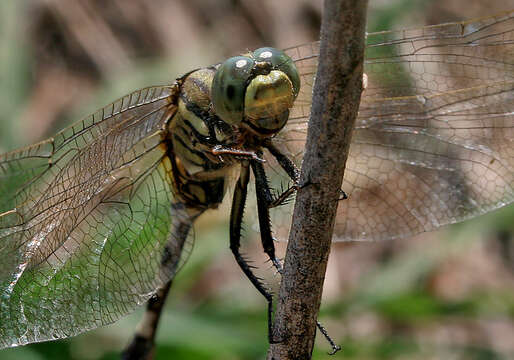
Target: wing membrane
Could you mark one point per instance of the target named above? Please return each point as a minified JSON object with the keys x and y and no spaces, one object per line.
{"x":434,"y":136}
{"x":22,"y":171}
{"x":89,"y":218}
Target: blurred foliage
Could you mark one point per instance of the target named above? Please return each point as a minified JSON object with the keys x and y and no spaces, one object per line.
{"x":438,"y":296}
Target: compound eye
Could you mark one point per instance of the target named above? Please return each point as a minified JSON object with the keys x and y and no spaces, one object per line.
{"x":280,"y":61}
{"x":229,"y":86}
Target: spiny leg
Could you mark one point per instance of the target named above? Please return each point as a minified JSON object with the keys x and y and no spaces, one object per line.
{"x":236,"y":220}
{"x":290,"y":169}
{"x":143,"y":343}
{"x":286,"y":163}
{"x":264,"y":199}
{"x":293,"y":172}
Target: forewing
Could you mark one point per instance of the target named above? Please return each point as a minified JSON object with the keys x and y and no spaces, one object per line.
{"x":433,"y":142}
{"x":86,"y":222}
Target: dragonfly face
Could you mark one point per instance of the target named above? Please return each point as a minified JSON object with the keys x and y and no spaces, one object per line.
{"x":256,"y":90}
{"x":95,"y":219}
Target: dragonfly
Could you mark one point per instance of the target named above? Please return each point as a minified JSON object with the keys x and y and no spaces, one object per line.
{"x":95,"y":220}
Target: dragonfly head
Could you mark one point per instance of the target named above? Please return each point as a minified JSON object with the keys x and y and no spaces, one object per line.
{"x":256,"y":90}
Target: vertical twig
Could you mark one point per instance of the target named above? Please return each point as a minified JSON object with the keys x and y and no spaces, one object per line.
{"x":335,"y":104}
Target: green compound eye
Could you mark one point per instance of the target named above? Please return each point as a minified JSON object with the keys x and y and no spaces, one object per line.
{"x":229,"y":87}
{"x":280,"y":61}
{"x":258,"y":89}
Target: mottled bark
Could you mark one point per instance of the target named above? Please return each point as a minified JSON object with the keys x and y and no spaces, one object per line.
{"x":336,"y":99}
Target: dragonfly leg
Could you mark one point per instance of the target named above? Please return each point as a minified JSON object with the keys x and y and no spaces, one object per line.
{"x":286,"y":163}
{"x":291,"y":169}
{"x":221,"y":151}
{"x":236,"y":219}
{"x":293,"y":172}
{"x":264,"y":199}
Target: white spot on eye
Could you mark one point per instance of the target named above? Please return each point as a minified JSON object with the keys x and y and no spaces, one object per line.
{"x":421,"y":99}
{"x":266,"y":54}
{"x":241,"y":63}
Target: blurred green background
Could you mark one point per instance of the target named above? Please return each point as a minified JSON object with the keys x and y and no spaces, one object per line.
{"x":443,"y":295}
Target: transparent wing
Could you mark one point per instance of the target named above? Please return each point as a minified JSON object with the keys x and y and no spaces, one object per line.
{"x":433,"y":143}
{"x":87,"y":226}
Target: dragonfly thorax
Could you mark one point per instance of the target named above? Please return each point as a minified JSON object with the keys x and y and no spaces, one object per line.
{"x":198,"y":175}
{"x":223,"y":114}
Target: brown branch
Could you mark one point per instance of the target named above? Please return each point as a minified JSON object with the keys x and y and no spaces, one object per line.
{"x":335,"y":104}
